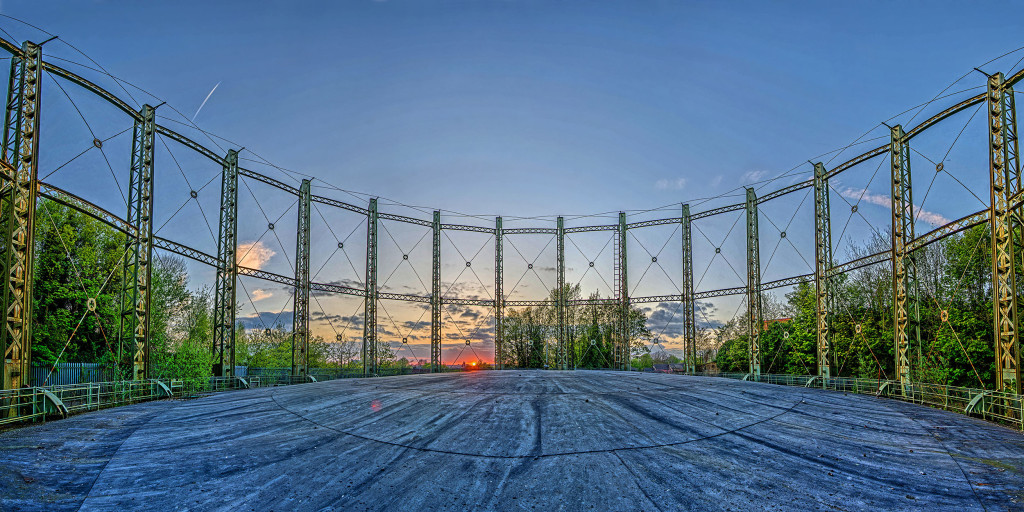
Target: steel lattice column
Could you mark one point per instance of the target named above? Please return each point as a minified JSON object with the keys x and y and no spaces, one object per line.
{"x":822,"y":262}
{"x":499,"y":299}
{"x":689,"y":323}
{"x":20,"y":155}
{"x":370,"y":305}
{"x":902,"y":233}
{"x":1005,"y":221}
{"x":621,"y":346}
{"x":563,"y":349}
{"x":135,"y":302}
{"x":435,"y":298}
{"x":300,"y":319}
{"x":227,"y":272}
{"x":753,"y":285}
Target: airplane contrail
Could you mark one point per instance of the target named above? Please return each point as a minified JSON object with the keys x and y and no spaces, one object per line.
{"x":203,"y":104}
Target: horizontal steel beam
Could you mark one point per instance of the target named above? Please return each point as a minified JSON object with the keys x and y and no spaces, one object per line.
{"x":864,"y":261}
{"x":462,"y":227}
{"x":340,"y":204}
{"x":654,"y":222}
{"x":403,"y":218}
{"x":72,"y":201}
{"x":961,"y":224}
{"x":268,"y":180}
{"x":531,"y":231}
{"x":186,"y":251}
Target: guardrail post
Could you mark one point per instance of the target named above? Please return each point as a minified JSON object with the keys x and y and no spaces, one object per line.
{"x":20,"y":156}
{"x":499,"y":299}
{"x":1005,"y":220}
{"x":227,"y":272}
{"x":904,"y":270}
{"x":134,"y":331}
{"x":370,"y":304}
{"x":753,"y":286}
{"x":689,"y":324}
{"x":435,"y":298}
{"x":822,"y":262}
{"x":300,"y":319}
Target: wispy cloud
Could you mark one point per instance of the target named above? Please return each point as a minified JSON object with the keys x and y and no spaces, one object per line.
{"x":752,"y":176}
{"x":670,"y":184}
{"x":260,"y":294}
{"x":935,"y":219}
{"x":254,"y":254}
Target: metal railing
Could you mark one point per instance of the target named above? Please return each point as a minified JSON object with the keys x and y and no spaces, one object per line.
{"x":996,"y":406}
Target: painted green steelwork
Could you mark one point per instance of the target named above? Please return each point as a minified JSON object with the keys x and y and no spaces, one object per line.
{"x":753,"y":285}
{"x":903,"y":273}
{"x":822,"y":262}
{"x":689,"y":307}
{"x":227,"y":272}
{"x":562,"y":356}
{"x":300,"y":319}
{"x":1005,"y":219}
{"x":620,"y":349}
{"x":135,"y":303}
{"x":369,"y":354}
{"x":20,"y":153}
{"x":435,"y":297}
{"x":499,"y":296}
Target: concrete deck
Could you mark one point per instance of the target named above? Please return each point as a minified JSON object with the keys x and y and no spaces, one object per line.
{"x":516,"y":440}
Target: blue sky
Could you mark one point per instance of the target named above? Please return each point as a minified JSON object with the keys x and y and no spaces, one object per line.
{"x":525,"y":108}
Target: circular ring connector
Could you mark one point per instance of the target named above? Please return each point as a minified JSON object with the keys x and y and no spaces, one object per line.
{"x":654,"y":259}
{"x":270,"y":226}
{"x":194,"y":194}
{"x":405,"y":256}
{"x":90,"y":304}
{"x":782,"y":234}
{"x":341,"y":245}
{"x":853,"y":209}
{"x":405,"y":340}
{"x":339,"y":337}
{"x":98,"y":143}
{"x":718,"y":250}
{"x":944,"y":315}
{"x":467,"y":342}
{"x":468,"y":264}
{"x":266,"y":332}
{"x":529,"y":265}
{"x":940,"y":167}
{"x":857,"y":328}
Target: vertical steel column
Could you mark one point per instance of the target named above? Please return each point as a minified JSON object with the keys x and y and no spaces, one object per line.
{"x":370,"y":309}
{"x":20,"y":155}
{"x":753,"y":286}
{"x":621,"y":346}
{"x":822,"y":262}
{"x":499,"y":298}
{"x":135,"y":299}
{"x":563,"y":350}
{"x":902,"y":233}
{"x":689,"y":323}
{"x":1005,"y":219}
{"x":435,"y":298}
{"x":300,"y":318}
{"x":227,"y":272}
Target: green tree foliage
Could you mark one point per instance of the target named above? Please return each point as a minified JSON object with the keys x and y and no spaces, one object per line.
{"x":954,"y":297}
{"x":531,"y":333}
{"x":77,"y":258}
